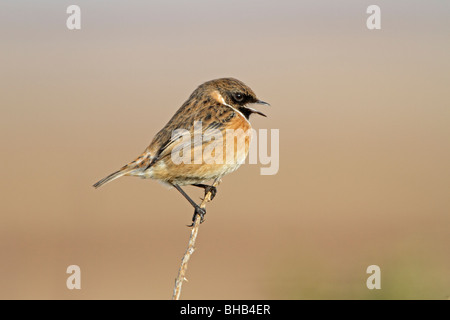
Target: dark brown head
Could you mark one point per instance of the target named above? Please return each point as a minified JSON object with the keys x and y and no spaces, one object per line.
{"x":231,"y":92}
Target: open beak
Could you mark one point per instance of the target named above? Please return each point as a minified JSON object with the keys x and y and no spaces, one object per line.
{"x":257,"y":111}
{"x":262,"y":102}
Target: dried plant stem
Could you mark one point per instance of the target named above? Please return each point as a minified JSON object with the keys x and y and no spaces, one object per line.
{"x":190,"y":249}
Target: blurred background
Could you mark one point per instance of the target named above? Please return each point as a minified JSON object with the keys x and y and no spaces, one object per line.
{"x":364,"y":175}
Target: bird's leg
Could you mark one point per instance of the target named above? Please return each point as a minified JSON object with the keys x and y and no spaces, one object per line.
{"x":198,"y":210}
{"x":207,"y":188}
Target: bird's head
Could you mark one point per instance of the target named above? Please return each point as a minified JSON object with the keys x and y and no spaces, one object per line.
{"x":232,"y":92}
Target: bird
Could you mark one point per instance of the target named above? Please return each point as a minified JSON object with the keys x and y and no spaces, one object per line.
{"x":199,"y":127}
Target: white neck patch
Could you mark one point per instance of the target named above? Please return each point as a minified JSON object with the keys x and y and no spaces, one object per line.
{"x":221,"y":100}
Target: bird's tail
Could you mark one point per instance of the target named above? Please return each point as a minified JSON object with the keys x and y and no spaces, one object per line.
{"x":125,"y":170}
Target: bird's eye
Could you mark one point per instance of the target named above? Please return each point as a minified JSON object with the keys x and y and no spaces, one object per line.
{"x":238,"y":97}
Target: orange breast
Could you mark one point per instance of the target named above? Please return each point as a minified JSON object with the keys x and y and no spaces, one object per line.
{"x":209,"y":159}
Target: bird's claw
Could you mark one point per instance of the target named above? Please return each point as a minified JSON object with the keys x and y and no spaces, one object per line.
{"x":198,"y":212}
{"x":212,"y":190}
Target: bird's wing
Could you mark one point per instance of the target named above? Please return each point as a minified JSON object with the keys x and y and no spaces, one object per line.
{"x":197,"y":130}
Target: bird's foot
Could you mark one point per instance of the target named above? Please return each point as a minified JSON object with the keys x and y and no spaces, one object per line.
{"x":198,"y":212}
{"x":212,"y":190}
{"x":208,"y":189}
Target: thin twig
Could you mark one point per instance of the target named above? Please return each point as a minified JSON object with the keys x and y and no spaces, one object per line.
{"x":190,"y":249}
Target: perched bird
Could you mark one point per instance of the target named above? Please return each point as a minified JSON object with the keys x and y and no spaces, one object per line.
{"x":199,"y":127}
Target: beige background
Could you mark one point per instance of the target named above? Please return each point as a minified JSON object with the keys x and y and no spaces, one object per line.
{"x":364,"y":149}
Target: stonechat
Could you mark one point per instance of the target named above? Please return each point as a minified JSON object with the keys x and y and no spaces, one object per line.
{"x":215,"y":109}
